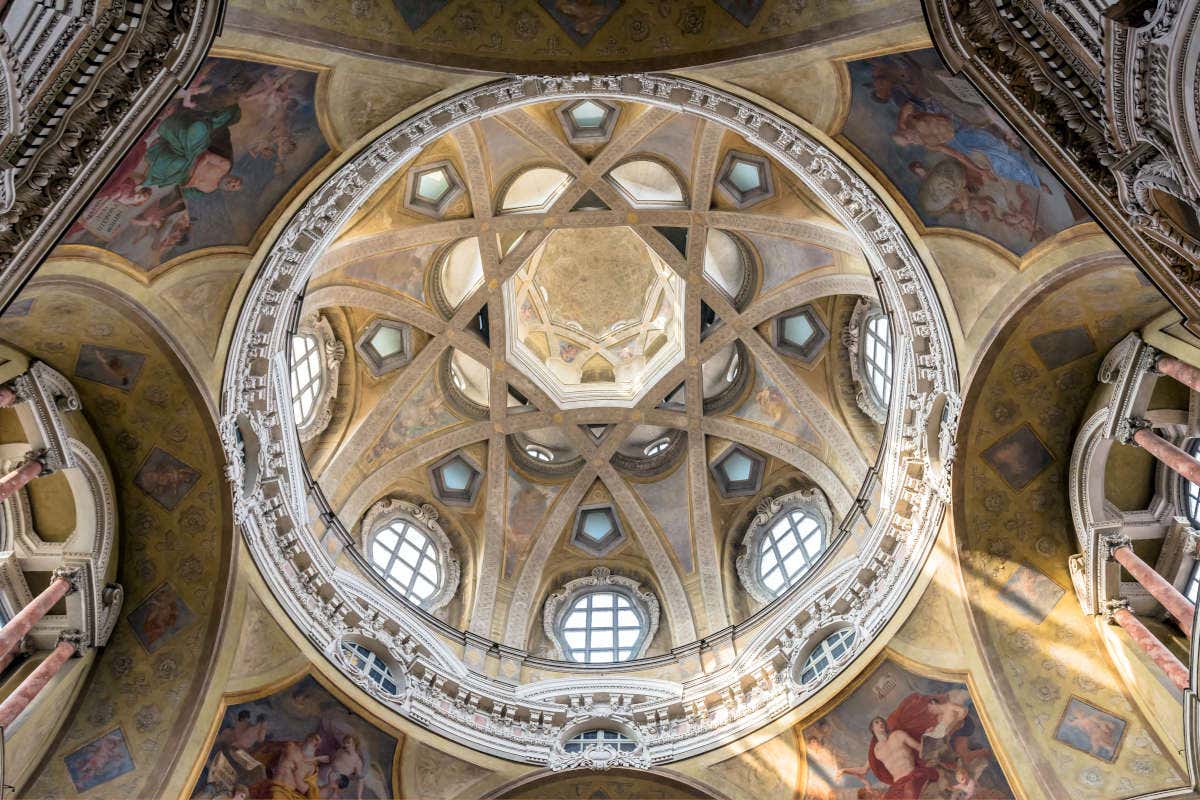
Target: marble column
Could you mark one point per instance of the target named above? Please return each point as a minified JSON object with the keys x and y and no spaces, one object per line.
{"x":1184,"y":373}
{"x":1182,"y":609}
{"x":1174,"y":457}
{"x":1151,"y":646}
{"x":12,"y":633}
{"x":19,"y":477}
{"x":23,"y":695}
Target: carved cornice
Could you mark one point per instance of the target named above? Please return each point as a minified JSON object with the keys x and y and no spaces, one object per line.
{"x":74,"y":104}
{"x":1111,"y":107}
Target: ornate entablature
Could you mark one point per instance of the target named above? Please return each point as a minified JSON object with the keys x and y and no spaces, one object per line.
{"x":44,"y":399}
{"x":1110,"y":100}
{"x":78,"y":83}
{"x":454,"y":694}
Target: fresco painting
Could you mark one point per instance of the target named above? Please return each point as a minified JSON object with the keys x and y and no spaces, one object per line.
{"x":581,"y":19}
{"x":527,"y":503}
{"x":423,"y":412}
{"x":1019,"y":457}
{"x":109,"y":365}
{"x":1090,"y":729}
{"x":902,"y":736}
{"x":957,"y":163}
{"x":767,"y":405}
{"x":212,"y":166}
{"x":1031,"y":594}
{"x":300,"y":742}
{"x":165,"y":478}
{"x":99,"y":761}
{"x":159,"y":617}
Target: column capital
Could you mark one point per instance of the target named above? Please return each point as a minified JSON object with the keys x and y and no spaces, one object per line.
{"x":1126,"y":428}
{"x":72,"y":637}
{"x":38,"y":456}
{"x":72,"y":574}
{"x":1113,"y":542}
{"x":1111,"y":607}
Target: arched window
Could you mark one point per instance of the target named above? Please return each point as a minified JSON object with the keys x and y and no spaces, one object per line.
{"x":306,"y":376}
{"x":600,"y":736}
{"x":1192,"y":592}
{"x":535,"y":189}
{"x":648,"y":183}
{"x":538,"y":453}
{"x":789,"y":548}
{"x":877,"y":357}
{"x":868,"y":340}
{"x":782,"y":543}
{"x":657,"y":446}
{"x":601,"y":619}
{"x":409,"y":549}
{"x":315,"y":356}
{"x":363,"y":659}
{"x":827,"y":653}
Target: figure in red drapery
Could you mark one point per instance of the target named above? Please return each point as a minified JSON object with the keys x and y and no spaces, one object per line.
{"x":894,"y":752}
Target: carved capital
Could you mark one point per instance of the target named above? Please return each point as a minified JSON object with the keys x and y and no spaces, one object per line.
{"x":72,"y":574}
{"x":73,"y":637}
{"x":1126,"y":428}
{"x":1114,"y":541}
{"x":1111,"y":607}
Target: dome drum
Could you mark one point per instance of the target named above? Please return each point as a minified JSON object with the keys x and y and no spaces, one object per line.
{"x":866,"y":586}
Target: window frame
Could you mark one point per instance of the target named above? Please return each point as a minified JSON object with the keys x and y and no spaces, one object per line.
{"x":363,"y":660}
{"x":820,"y":648}
{"x":424,"y":518}
{"x":601,"y":580}
{"x":857,"y":336}
{"x":811,"y":502}
{"x":330,"y":353}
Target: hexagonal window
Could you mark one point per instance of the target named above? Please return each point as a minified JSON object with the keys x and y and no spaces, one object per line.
{"x":597,"y":529}
{"x":588,"y":121}
{"x":745,"y":178}
{"x":385,"y":345}
{"x":456,"y":480}
{"x":801,"y":333}
{"x":738,"y":471}
{"x":432,"y":188}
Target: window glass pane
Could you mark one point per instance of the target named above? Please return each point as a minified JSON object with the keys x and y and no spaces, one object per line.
{"x":745,"y":176}
{"x":305,"y":377}
{"x":648,"y":182}
{"x":600,"y":627}
{"x":408,"y":559}
{"x":737,"y":467}
{"x":588,"y":114}
{"x":788,"y":549}
{"x":387,"y":341}
{"x":798,"y":329}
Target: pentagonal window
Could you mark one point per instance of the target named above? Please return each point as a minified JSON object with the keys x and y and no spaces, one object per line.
{"x":746,"y":178}
{"x":597,"y":529}
{"x":739,"y":471}
{"x":832,"y":649}
{"x":648,"y":183}
{"x":456,"y":480}
{"x":385,"y":345}
{"x":432,"y":188}
{"x":365,"y":660}
{"x":801,"y":333}
{"x":588,"y":121}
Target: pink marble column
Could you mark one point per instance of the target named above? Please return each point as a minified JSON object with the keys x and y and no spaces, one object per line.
{"x":1184,"y":373}
{"x":8,"y":398}
{"x":24,"y":694}
{"x":12,"y":633}
{"x":1150,"y":645}
{"x":1182,"y":609}
{"x":1174,"y":457}
{"x":20,"y":476}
